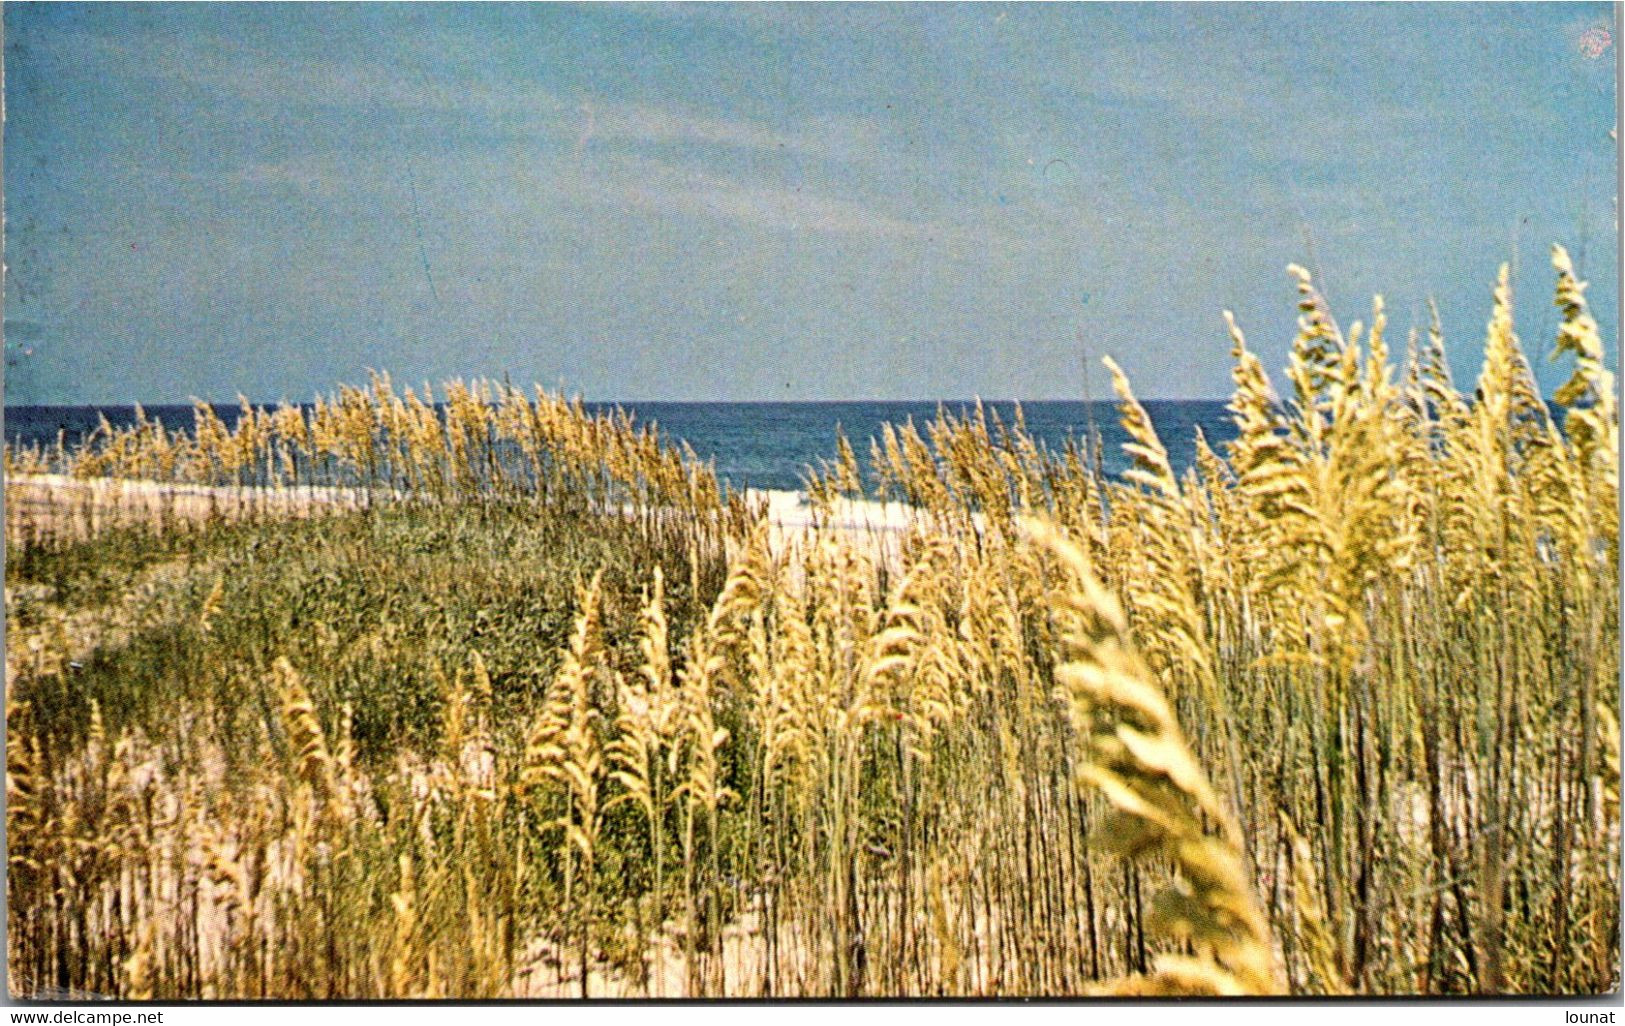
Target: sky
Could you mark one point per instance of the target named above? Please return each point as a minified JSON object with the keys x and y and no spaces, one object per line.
{"x":765,"y":202}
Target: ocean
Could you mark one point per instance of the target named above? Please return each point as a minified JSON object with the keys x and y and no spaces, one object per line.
{"x":757,"y":445}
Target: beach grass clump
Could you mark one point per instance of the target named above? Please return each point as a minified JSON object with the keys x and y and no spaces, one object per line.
{"x":482,"y":695}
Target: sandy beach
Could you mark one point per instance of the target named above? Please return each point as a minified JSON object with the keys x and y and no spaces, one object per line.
{"x":47,"y":505}
{"x":39,"y":505}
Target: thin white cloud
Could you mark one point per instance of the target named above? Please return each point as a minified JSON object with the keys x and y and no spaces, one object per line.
{"x":227,"y":67}
{"x":636,"y":123}
{"x":629,"y":182}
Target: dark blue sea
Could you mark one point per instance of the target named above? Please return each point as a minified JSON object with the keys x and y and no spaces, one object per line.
{"x":757,"y":445}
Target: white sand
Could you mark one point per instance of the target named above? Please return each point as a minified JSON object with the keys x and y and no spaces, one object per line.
{"x":56,"y":503}
{"x":790,"y":511}
{"x":875,"y":529}
{"x":124,"y":488}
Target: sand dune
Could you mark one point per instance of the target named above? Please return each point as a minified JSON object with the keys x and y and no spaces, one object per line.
{"x":39,"y":505}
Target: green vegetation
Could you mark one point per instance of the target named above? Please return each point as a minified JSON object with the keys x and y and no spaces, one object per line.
{"x":546,"y":712}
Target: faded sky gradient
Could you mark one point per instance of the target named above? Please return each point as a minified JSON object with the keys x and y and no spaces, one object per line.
{"x":766,"y":202}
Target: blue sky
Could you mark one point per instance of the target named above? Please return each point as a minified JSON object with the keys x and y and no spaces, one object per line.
{"x":777,"y":202}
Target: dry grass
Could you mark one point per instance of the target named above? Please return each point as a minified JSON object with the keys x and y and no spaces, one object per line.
{"x":547,"y":712}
